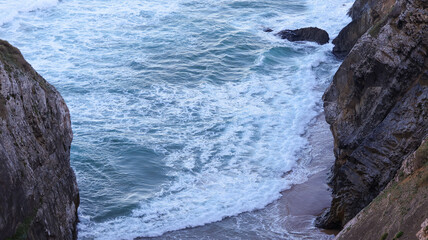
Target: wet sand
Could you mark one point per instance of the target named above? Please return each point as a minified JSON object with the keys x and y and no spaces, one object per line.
{"x":290,"y":217}
{"x":313,"y":196}
{"x":309,"y":199}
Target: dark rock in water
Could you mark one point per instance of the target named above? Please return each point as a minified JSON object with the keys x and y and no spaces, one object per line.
{"x":310,"y":34}
{"x":267,"y":30}
{"x":38,"y":190}
{"x":377,"y":107}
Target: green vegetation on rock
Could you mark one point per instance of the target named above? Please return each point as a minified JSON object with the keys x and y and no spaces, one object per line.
{"x":398,"y":235}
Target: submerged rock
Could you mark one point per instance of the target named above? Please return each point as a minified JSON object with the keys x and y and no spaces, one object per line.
{"x":38,"y":190}
{"x":311,"y":34}
{"x":267,"y":30}
{"x":377,"y":107}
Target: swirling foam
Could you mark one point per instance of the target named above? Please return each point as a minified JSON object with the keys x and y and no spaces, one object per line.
{"x":184,"y":112}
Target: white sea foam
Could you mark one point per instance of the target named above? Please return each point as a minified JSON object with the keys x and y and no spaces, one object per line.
{"x":224,"y":145}
{"x":273,"y":109}
{"x":10,"y":9}
{"x":222,"y":188}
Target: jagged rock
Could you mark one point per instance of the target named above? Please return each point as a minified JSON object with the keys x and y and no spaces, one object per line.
{"x":267,"y":30}
{"x":38,"y":190}
{"x":400,"y":210}
{"x":310,"y":34}
{"x":377,"y":107}
{"x":363,"y":13}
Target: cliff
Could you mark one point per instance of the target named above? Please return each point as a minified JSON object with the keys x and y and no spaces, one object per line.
{"x":401,"y":209}
{"x":38,"y":190}
{"x":364,"y":14}
{"x":377,"y":103}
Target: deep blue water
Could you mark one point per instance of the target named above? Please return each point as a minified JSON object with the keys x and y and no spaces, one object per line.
{"x":184,"y":112}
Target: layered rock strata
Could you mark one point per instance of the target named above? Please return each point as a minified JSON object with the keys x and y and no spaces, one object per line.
{"x":377,"y":104}
{"x":401,"y":210}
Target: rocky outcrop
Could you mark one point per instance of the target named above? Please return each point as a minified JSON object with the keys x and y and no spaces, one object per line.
{"x":38,"y":191}
{"x":400,"y":210}
{"x":377,"y":106}
{"x":363,"y":13}
{"x":310,"y":34}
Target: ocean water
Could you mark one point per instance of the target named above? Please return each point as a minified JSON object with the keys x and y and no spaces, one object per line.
{"x":184,"y":112}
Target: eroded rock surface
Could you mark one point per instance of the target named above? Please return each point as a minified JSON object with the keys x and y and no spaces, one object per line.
{"x":38,"y":191}
{"x":363,"y":13}
{"x":377,"y":106}
{"x":401,"y":209}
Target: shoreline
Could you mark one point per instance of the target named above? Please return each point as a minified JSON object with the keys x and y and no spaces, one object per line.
{"x":312,"y":197}
{"x":297,"y":208}
{"x":188,"y":126}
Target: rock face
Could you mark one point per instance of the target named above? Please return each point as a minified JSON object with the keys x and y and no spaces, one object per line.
{"x":377,"y":106}
{"x":310,"y":34}
{"x":38,"y":191}
{"x":363,"y":13}
{"x":400,"y":210}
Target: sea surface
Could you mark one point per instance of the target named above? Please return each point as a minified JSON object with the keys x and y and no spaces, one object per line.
{"x":185,"y":113}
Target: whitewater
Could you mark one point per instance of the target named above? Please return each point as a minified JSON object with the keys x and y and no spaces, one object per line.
{"x":185,"y":113}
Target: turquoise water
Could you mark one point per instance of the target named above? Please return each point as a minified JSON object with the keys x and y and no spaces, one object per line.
{"x":184,"y":112}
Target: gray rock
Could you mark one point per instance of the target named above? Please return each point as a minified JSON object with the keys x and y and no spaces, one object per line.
{"x":363,"y":13}
{"x":310,"y":34}
{"x":377,"y":107}
{"x":38,"y":190}
{"x":400,"y":207}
